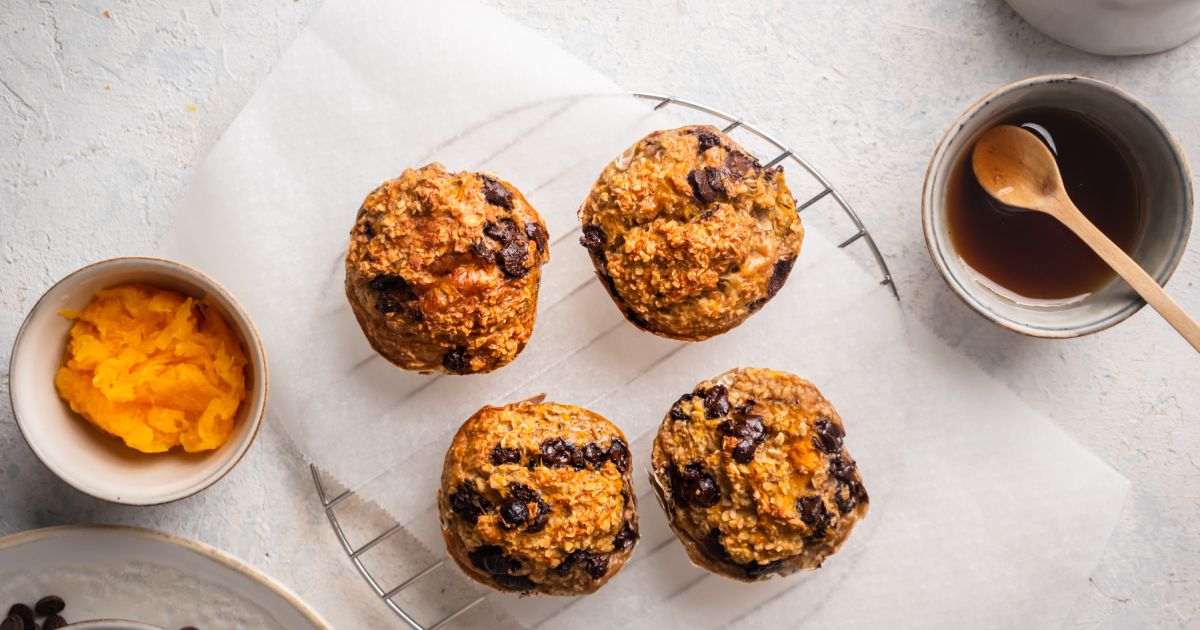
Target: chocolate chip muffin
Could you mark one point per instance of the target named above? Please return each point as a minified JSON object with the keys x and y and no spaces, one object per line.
{"x":443,"y":270}
{"x":754,"y":478}
{"x":689,"y":233}
{"x":537,"y":498}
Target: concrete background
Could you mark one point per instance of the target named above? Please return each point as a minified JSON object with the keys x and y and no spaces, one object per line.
{"x":106,"y":105}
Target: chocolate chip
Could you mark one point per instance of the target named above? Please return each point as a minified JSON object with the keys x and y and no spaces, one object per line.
{"x":755,"y":570}
{"x":849,"y":495}
{"x":522,"y":492}
{"x":496,"y":193}
{"x":677,"y":412}
{"x":743,"y":451}
{"x":501,"y":456}
{"x":594,"y":455}
{"x":827,"y":435}
{"x":756,"y":304}
{"x":618,"y":452}
{"x":513,"y":259}
{"x":557,"y":452}
{"x":456,"y":361}
{"x":481,"y":249}
{"x":707,"y":140}
{"x":593,"y":240}
{"x":24,"y":614}
{"x":503,"y":231}
{"x":537,"y":233}
{"x":842,"y":467}
{"x":813,"y":513}
{"x":49,"y":605}
{"x":368,"y":229}
{"x":564,"y":567}
{"x":625,"y":537}
{"x":739,"y":163}
{"x":13,"y":622}
{"x":394,"y":292}
{"x":715,"y":547}
{"x":596,"y":565}
{"x":716,"y":402}
{"x":779,"y":275}
{"x":468,"y":503}
{"x":54,"y":622}
{"x":520,"y":583}
{"x":539,"y":520}
{"x":491,"y":558}
{"x":513,"y":513}
{"x":706,"y":184}
{"x":695,"y":486}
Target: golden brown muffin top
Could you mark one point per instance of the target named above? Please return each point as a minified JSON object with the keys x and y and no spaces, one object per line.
{"x":754,"y":472}
{"x":690,"y":233}
{"x":545,"y":485}
{"x":444,"y":268}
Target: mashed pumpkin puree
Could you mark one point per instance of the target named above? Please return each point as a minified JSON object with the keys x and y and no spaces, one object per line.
{"x":154,"y":368}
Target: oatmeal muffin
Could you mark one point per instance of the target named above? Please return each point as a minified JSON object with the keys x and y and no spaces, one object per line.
{"x":537,"y":498}
{"x":751,"y":471}
{"x":689,"y":233}
{"x":443,"y":270}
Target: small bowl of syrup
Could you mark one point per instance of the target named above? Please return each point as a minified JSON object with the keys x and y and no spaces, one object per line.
{"x":1024,"y":270}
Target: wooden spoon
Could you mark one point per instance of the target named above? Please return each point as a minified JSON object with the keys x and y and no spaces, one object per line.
{"x":1014,"y":167}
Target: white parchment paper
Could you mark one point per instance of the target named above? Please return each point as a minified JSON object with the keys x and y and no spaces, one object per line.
{"x":983,"y":514}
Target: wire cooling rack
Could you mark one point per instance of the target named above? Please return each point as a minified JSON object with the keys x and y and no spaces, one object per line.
{"x":331,"y":502}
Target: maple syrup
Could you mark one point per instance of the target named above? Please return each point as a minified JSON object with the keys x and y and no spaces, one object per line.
{"x":1029,"y":256}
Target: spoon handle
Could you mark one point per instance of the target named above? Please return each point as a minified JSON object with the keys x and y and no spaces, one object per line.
{"x":1127,"y":268}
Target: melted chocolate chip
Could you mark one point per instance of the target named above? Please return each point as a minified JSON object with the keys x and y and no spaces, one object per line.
{"x":743,"y":451}
{"x":677,"y":412}
{"x":501,"y":456}
{"x":368,"y":229}
{"x":594,"y":455}
{"x":557,"y":452}
{"x":503,"y":231}
{"x":468,"y":503}
{"x":695,"y":486}
{"x":707,"y":140}
{"x":618,"y":452}
{"x":716,"y":402}
{"x":540,"y":519}
{"x":520,"y":583}
{"x":779,"y":275}
{"x":593,"y":240}
{"x":715,"y":547}
{"x":513,"y":259}
{"x":481,"y":249}
{"x":748,"y":429}
{"x":706,"y":184}
{"x":755,"y":570}
{"x":813,"y":513}
{"x":522,"y":492}
{"x":625,"y":537}
{"x":513,"y":513}
{"x":849,"y":495}
{"x":456,"y":361}
{"x":394,"y":293}
{"x":496,"y":193}
{"x":491,"y":558}
{"x":564,"y":567}
{"x":827,"y":435}
{"x":744,"y":408}
{"x":596,"y":565}
{"x":842,"y":467}
{"x":537,"y":233}
{"x":739,"y":163}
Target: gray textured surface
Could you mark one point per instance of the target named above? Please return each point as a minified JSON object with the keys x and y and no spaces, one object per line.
{"x":102,"y":118}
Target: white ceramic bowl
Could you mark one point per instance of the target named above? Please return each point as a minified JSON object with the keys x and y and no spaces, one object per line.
{"x":86,"y":457}
{"x":112,"y":624}
{"x":1166,"y":199}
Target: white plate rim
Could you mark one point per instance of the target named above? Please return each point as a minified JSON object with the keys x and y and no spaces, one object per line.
{"x":196,"y":547}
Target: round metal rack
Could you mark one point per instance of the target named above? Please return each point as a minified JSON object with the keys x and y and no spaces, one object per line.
{"x":331,"y":503}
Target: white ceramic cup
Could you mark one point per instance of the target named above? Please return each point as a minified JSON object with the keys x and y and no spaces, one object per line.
{"x":1114,"y":27}
{"x":1166,"y":199}
{"x":89,"y":459}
